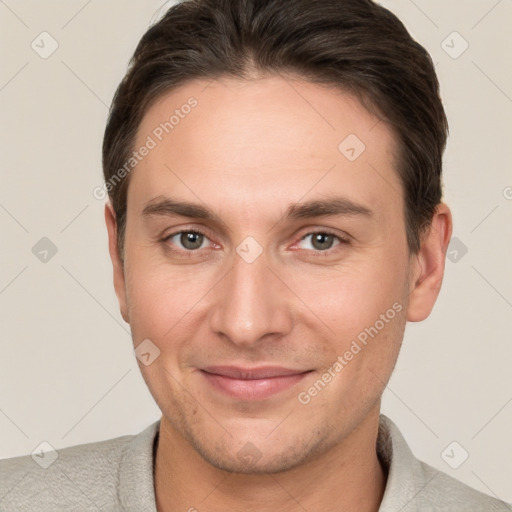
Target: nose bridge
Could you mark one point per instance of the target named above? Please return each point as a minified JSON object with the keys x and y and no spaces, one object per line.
{"x":251,"y":302}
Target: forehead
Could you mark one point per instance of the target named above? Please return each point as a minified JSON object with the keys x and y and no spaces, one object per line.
{"x":256,"y":136}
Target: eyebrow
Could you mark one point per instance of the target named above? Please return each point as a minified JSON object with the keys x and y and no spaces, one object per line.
{"x":317,"y":208}
{"x":332,"y":206}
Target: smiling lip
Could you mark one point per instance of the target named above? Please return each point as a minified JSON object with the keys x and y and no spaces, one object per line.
{"x":252,"y":383}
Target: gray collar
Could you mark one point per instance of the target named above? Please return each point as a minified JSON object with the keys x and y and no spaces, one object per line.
{"x":136,"y":472}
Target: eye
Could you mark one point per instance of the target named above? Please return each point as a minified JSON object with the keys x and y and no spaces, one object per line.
{"x":189,"y":240}
{"x":322,"y":241}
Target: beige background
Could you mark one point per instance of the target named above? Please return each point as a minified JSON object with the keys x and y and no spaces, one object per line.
{"x":67,"y":371}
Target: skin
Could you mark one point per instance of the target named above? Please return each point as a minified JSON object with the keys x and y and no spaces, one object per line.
{"x":248,"y":151}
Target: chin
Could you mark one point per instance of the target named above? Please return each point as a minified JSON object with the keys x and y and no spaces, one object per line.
{"x":261,"y":455}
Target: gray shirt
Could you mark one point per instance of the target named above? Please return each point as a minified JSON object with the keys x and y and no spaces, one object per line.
{"x":117,"y":474}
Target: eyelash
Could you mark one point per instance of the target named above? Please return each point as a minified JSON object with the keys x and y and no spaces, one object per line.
{"x":193,"y":252}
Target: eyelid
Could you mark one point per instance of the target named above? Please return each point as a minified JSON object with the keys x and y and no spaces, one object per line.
{"x":344,"y":239}
{"x":183,"y":230}
{"x":180,"y":231}
{"x":194,"y":255}
{"x":327,"y":231}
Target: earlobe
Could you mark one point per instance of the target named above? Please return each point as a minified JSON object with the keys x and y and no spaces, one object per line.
{"x":117,"y":264}
{"x":429,"y":264}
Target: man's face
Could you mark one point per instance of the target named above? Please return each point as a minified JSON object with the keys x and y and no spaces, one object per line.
{"x":264,"y":285}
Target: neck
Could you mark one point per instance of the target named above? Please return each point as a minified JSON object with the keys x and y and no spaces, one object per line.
{"x":349,"y":476}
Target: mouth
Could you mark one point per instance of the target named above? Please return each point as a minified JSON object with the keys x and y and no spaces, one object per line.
{"x":252,"y":383}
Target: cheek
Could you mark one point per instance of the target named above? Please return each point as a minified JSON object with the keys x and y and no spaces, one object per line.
{"x":360,"y":359}
{"x":165,"y":302}
{"x":352,"y":296}
{"x":155,"y":301}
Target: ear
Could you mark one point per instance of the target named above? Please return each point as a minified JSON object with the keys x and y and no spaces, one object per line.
{"x":119,"y":281}
{"x":428,"y":266}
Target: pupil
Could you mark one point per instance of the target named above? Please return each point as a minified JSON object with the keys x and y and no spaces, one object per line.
{"x":322,"y":241}
{"x":191,"y":240}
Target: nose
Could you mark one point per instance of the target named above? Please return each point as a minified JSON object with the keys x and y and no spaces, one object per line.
{"x":251,"y":304}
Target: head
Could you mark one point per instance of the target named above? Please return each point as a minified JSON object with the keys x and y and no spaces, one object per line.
{"x":274,"y":175}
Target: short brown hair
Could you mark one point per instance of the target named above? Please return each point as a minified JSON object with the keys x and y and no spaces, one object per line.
{"x":355,"y":45}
